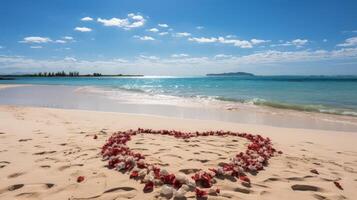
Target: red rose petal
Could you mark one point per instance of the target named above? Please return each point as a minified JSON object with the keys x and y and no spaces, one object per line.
{"x":245,"y":179}
{"x":134,"y":174}
{"x":200,"y":193}
{"x":80,"y":179}
{"x":149,"y":186}
{"x":121,"y":157}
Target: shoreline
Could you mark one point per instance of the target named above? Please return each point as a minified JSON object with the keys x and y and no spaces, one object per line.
{"x":232,"y":97}
{"x":97,"y":99}
{"x":50,"y":146}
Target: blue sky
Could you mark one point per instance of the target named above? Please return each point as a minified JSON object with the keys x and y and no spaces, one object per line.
{"x":179,"y":37}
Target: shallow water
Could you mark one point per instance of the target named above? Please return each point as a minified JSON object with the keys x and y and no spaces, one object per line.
{"x":99,"y":99}
{"x":336,"y":95}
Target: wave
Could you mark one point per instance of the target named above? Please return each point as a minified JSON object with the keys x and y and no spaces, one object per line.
{"x":160,"y":97}
{"x":298,"y":107}
{"x":131,"y":89}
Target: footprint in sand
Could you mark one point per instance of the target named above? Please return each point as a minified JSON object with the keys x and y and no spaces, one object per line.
{"x":19,"y":186}
{"x":173,"y":155}
{"x":329,"y":196}
{"x":272,"y":179}
{"x":122,"y":192}
{"x":24,"y":140}
{"x":11,"y":188}
{"x":44,"y":152}
{"x":319,"y":197}
{"x":68,"y":166}
{"x":199,"y":160}
{"x":3,"y":164}
{"x":28,"y":195}
{"x":299,"y":178}
{"x":139,"y":149}
{"x":210,"y":152}
{"x":242,"y":190}
{"x":14,"y":175}
{"x":79,"y":156}
{"x":15,"y":187}
{"x":46,"y":159}
{"x":298,"y":187}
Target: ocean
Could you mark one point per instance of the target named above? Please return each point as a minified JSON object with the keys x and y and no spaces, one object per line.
{"x":324,"y":94}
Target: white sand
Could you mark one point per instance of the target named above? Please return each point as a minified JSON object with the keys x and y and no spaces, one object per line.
{"x":43,"y":151}
{"x":3,"y":86}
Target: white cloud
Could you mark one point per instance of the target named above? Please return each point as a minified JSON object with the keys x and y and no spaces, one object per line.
{"x":163,"y":33}
{"x":1,"y":47}
{"x":199,"y":27}
{"x":324,"y":40}
{"x":349,"y":42}
{"x":60,"y":41}
{"x":70,"y":59}
{"x":119,"y":60}
{"x":82,"y":29}
{"x":163,"y":25}
{"x":235,"y":42}
{"x":152,"y":63}
{"x":87,"y":19}
{"x":67,"y":38}
{"x":145,"y":37}
{"x":203,"y":40}
{"x":35,"y":39}
{"x":136,"y":17}
{"x":222,"y":56}
{"x":182,"y":34}
{"x":132,"y":21}
{"x":153,"y":30}
{"x":114,"y":22}
{"x":181,"y":55}
{"x":36,"y":47}
{"x":149,"y":57}
{"x":297,"y":43}
{"x":258,"y":41}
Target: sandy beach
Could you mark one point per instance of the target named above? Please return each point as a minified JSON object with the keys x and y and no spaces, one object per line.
{"x":44,"y":150}
{"x":176,"y":100}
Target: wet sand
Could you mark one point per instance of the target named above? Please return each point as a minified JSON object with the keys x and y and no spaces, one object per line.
{"x":87,"y":98}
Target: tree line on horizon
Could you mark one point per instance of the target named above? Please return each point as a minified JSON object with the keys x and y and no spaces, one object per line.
{"x":61,"y":74}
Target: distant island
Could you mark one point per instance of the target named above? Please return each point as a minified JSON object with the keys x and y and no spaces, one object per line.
{"x":6,"y":79}
{"x":232,"y":74}
{"x":64,"y":74}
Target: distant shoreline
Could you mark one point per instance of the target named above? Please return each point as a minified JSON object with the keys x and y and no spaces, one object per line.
{"x":12,"y":77}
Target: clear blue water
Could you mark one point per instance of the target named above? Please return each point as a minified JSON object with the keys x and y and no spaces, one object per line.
{"x":336,"y":95}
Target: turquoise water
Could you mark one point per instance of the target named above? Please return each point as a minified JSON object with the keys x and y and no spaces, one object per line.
{"x":336,"y":95}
